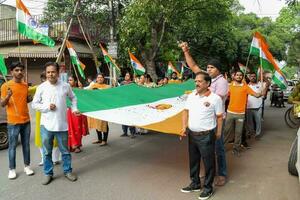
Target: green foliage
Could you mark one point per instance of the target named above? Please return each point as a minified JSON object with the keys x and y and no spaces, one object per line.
{"x":219,"y":29}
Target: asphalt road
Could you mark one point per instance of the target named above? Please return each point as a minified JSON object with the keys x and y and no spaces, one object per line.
{"x":155,"y":167}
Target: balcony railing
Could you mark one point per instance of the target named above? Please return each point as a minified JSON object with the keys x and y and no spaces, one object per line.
{"x":9,"y":33}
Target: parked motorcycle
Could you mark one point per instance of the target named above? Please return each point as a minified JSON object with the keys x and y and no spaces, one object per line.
{"x":277,"y":96}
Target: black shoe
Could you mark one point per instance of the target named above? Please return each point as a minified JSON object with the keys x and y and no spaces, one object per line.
{"x":71,"y":177}
{"x":47,"y":180}
{"x":257,"y":137}
{"x":231,"y":142}
{"x":245,"y":145}
{"x":205,"y":195}
{"x":236,"y":152}
{"x":124,"y":135}
{"x":190,"y":188}
{"x":132,"y":136}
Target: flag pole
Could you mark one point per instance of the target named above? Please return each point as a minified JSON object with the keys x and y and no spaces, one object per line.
{"x":247,"y":62}
{"x":260,"y":60}
{"x":75,"y":72}
{"x":89,"y":44}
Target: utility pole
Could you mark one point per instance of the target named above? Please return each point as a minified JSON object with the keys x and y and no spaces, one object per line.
{"x":63,"y":46}
{"x":112,"y":46}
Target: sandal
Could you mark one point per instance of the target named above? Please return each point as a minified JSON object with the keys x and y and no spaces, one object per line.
{"x":77,"y":150}
{"x":97,"y":142}
{"x":221,"y":181}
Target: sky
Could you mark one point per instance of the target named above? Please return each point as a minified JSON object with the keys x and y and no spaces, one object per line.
{"x":262,"y":8}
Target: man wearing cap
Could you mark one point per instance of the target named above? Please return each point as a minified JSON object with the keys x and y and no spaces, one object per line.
{"x":219,"y":86}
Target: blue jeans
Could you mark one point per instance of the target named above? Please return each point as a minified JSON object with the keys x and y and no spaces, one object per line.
{"x":13,"y":134}
{"x":62,"y":140}
{"x":254,"y":120}
{"x":220,"y":154}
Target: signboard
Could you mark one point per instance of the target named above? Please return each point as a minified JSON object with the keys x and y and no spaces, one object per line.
{"x":113,"y":49}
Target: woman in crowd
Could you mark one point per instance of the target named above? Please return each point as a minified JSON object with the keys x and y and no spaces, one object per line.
{"x":128,"y":80}
{"x":101,"y":126}
{"x":77,"y":125}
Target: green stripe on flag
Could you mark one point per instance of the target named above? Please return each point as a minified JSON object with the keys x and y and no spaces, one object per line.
{"x":75,"y":62}
{"x":265,"y":63}
{"x":34,"y":35}
{"x":254,"y":51}
{"x":279,"y":80}
{"x":3,"y":68}
{"x":138,"y":72}
{"x":128,"y":95}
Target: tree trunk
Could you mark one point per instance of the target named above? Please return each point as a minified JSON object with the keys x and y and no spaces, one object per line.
{"x":150,"y":66}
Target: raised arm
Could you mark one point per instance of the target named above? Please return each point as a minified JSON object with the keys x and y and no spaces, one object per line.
{"x":189,"y":60}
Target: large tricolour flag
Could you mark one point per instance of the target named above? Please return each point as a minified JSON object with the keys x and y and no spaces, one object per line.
{"x":260,"y":48}
{"x":109,"y":60}
{"x":75,"y":60}
{"x":158,"y":109}
{"x":28,"y":27}
{"x":136,"y":65}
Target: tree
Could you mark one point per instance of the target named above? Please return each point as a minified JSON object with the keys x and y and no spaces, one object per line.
{"x":151,"y":28}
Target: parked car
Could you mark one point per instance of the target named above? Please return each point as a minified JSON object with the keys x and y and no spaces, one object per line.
{"x":289,"y":89}
{"x":3,"y":124}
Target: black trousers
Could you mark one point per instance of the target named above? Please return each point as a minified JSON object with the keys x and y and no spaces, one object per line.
{"x":202,"y":146}
{"x":105,"y":135}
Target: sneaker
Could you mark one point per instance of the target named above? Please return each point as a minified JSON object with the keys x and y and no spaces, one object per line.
{"x":41,"y":163}
{"x":71,"y":177}
{"x":257,"y":137}
{"x":47,"y":180}
{"x":205,"y":195}
{"x":191,"y":188}
{"x":245,"y":146}
{"x":236,"y":152}
{"x":28,"y":171}
{"x":103,"y":144}
{"x":12,"y":174}
{"x":56,"y":162}
{"x":124,"y":135}
{"x":231,"y":142}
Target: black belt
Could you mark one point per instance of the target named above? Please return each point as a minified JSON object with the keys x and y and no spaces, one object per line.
{"x":199,"y":133}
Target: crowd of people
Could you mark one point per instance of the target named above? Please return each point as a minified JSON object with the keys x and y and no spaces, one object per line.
{"x":217,"y":112}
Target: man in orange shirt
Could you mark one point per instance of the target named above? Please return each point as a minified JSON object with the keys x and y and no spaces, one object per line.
{"x":14,"y":95}
{"x":238,"y":92}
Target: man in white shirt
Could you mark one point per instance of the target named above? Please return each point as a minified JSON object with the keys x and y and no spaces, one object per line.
{"x":254,"y":106}
{"x":202,"y":122}
{"x":50,"y":99}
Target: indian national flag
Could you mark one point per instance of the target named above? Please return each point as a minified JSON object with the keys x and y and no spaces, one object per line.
{"x":158,"y":109}
{"x":260,"y":48}
{"x":136,"y":65}
{"x":29,"y":27}
{"x":109,"y":60}
{"x":242,"y":67}
{"x":74,"y":59}
{"x":3,"y":68}
{"x":280,"y":80}
{"x":172,"y":69}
